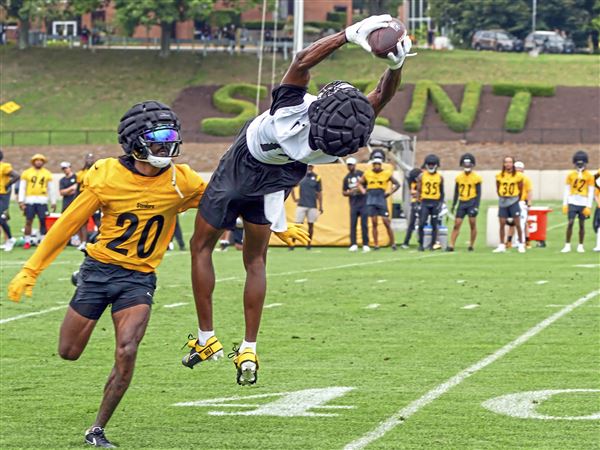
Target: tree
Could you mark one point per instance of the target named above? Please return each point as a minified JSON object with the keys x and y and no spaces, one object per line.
{"x":24,"y":11}
{"x":165,"y":13}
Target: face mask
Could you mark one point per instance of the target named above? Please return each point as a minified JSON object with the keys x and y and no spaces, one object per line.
{"x":468,"y":169}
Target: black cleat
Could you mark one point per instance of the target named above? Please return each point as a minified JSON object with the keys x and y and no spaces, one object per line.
{"x":449,"y":249}
{"x":470,"y":249}
{"x":394,"y":248}
{"x":95,"y":436}
{"x":421,"y":249}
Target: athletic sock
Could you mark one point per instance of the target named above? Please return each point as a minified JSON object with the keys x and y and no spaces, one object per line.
{"x":204,"y":336}
{"x":28,"y":239}
{"x":250,"y":345}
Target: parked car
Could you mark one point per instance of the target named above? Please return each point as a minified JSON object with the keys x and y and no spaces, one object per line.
{"x":549,"y":42}
{"x":498,"y":40}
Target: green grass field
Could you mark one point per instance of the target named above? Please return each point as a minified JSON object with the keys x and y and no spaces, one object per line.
{"x":62,"y":90}
{"x":323,"y":335}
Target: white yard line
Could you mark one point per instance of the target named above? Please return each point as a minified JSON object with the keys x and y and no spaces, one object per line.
{"x":400,"y":416}
{"x":587,"y":266}
{"x":558,"y":225}
{"x":174,"y":305}
{"x":541,"y":282}
{"x":301,"y":280}
{"x":381,"y":281}
{"x":273,"y":305}
{"x":472,"y":306}
{"x":373,"y":306}
{"x":36,"y":313}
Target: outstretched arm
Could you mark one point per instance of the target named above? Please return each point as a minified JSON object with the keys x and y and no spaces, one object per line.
{"x":298,"y":74}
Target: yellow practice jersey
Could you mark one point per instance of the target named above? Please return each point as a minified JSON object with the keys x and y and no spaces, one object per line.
{"x":139,"y":215}
{"x":79,"y":177}
{"x":467,"y":185}
{"x":37,"y":181}
{"x":579,"y":182}
{"x":5,"y":170}
{"x":509,"y":184}
{"x":527,"y":186}
{"x":597,"y":181}
{"x":378,"y":180}
{"x":431,"y":186}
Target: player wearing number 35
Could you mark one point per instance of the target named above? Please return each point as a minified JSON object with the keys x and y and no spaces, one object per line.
{"x":139,"y":194}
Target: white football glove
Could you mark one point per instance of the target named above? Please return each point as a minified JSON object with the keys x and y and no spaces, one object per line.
{"x":358,"y":33}
{"x":404,"y":45}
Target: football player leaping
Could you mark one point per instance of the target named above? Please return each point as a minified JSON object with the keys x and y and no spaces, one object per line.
{"x":140,"y":195}
{"x":268,"y":158}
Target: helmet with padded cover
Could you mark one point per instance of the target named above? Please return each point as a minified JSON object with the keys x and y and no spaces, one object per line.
{"x":467,"y":157}
{"x":146,"y":123}
{"x":341,"y":119}
{"x":580,"y":158}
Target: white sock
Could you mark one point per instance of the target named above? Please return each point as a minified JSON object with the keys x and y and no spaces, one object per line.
{"x":598,"y":239}
{"x":245,"y":344}
{"x":204,"y":336}
{"x":28,"y":239}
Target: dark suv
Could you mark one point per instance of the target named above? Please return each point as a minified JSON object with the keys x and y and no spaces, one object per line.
{"x":498,"y":40}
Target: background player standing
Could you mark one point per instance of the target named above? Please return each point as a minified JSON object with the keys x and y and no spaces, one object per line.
{"x":509,"y":187}
{"x":310,"y":201}
{"x":376,"y":181}
{"x":8,"y":177}
{"x":357,"y":201}
{"x":467,"y":191}
{"x":414,"y":206}
{"x":267,"y":159}
{"x":524,"y":205}
{"x":34,"y":191}
{"x":430,"y":191}
{"x":140,"y":194}
{"x":578,"y":199}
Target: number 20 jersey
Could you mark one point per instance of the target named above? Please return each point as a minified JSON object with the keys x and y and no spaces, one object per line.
{"x":139,"y":212}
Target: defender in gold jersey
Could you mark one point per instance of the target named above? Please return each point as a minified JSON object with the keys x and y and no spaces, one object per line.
{"x":140,"y":195}
{"x":467,"y":192}
{"x":596,"y":221}
{"x":509,"y":186}
{"x":578,"y":198}
{"x":430,"y":191}
{"x":8,"y":177}
{"x":524,"y":204}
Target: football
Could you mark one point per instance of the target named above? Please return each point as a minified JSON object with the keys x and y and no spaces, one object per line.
{"x":384,"y":40}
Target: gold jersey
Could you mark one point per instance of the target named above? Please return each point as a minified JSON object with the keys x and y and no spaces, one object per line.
{"x":139,"y":215}
{"x":467,"y":185}
{"x":5,"y":170}
{"x":579,"y":182}
{"x":509,"y":184}
{"x":79,"y":177}
{"x":378,"y":180}
{"x":37,"y":181}
{"x":527,"y":186}
{"x":431,"y":186}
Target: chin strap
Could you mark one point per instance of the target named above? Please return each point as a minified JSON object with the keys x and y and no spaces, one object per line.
{"x":174,"y":179}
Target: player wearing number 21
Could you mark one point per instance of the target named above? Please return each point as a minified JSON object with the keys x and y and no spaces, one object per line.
{"x":139,"y":195}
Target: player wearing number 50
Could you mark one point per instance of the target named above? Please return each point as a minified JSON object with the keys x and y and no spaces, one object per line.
{"x":139,"y":194}
{"x":578,"y":198}
{"x":509,"y":186}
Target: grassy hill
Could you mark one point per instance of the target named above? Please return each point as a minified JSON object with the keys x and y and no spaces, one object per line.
{"x":62,"y":89}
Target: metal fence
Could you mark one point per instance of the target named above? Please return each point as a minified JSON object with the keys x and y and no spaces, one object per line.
{"x":528,"y":136}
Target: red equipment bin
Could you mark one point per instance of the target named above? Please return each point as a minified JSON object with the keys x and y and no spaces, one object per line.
{"x":537,"y":222}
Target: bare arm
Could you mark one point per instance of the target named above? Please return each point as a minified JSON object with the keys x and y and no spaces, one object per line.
{"x":385,"y":90}
{"x":361,"y":185}
{"x":13,"y":178}
{"x":320,"y":201}
{"x":298,"y":73}
{"x":395,"y":186}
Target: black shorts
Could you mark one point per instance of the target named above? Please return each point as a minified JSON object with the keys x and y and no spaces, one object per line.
{"x":100,"y":285}
{"x":35,"y":209}
{"x":468,"y":208}
{"x":596,"y":221}
{"x":377,"y":210}
{"x":238,"y":185}
{"x":4,"y":202}
{"x":511,"y":211}
{"x":576,"y":211}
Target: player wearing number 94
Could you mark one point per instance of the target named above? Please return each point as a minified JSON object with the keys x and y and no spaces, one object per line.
{"x":139,"y":194}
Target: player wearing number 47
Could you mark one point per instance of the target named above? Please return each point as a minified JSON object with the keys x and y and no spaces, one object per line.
{"x":140,"y":194}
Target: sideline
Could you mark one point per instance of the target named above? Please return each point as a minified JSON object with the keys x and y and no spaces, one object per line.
{"x":401,"y":415}
{"x":36,"y":313}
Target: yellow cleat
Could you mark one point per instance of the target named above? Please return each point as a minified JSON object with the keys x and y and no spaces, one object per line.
{"x":246,"y":363}
{"x":212,"y":351}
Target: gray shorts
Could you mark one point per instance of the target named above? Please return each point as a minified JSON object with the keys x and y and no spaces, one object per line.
{"x":310,"y":214}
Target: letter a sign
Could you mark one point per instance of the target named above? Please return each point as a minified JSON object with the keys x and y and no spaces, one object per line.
{"x":285,"y":404}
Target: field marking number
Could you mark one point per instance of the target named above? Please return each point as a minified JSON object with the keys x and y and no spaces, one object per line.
{"x":289,"y":404}
{"x":523,"y":404}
